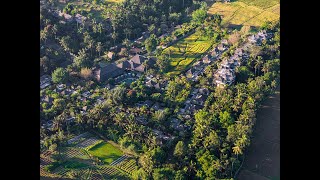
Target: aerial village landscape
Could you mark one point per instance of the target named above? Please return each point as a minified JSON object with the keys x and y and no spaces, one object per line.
{"x":158,"y":89}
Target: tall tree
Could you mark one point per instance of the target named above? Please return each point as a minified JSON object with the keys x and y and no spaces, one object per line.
{"x":99,"y":47}
{"x":258,"y":64}
{"x":198,"y":16}
{"x":179,"y":150}
{"x":114,"y":36}
{"x":60,"y":75}
{"x":151,"y":43}
{"x":65,"y":42}
{"x":82,"y":59}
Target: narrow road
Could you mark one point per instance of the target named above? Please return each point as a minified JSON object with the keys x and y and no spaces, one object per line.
{"x":262,"y":160}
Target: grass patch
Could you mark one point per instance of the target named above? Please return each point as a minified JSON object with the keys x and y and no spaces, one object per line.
{"x":105,"y":152}
{"x":245,"y":12}
{"x":185,"y":52}
{"x":74,"y":165}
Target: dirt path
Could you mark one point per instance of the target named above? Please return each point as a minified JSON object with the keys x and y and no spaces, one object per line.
{"x":262,"y":160}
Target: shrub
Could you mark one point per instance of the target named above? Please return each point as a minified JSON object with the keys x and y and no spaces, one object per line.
{"x":86,"y":73}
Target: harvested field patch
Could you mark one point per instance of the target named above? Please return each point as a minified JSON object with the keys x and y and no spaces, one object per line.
{"x":263,"y":4}
{"x":244,"y":13}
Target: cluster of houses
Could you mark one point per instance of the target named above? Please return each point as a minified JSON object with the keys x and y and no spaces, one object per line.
{"x":197,"y":69}
{"x":81,"y":95}
{"x":69,"y":18}
{"x":259,"y":37}
{"x":195,"y":102}
{"x":45,"y":81}
{"x":152,"y":105}
{"x":160,"y":136}
{"x":177,"y":125}
{"x":156,"y":83}
{"x":226,"y":72}
{"x":225,"y":75}
{"x":137,"y":63}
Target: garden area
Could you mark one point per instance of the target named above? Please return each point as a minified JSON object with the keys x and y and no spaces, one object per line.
{"x":184,"y":53}
{"x":105,"y":152}
{"x":247,"y":13}
{"x":89,"y":157}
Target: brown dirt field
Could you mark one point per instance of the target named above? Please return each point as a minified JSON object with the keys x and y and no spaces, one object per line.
{"x":262,"y":159}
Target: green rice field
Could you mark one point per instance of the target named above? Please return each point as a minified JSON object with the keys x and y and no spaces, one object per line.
{"x":184,"y":53}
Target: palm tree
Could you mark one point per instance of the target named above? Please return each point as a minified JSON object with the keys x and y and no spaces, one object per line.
{"x":57,"y":121}
{"x":151,"y":28}
{"x":113,"y":133}
{"x":90,"y":119}
{"x":232,"y":160}
{"x":258,"y":64}
{"x":126,"y":42}
{"x":80,"y":30}
{"x":187,"y":10}
{"x":43,"y":35}
{"x":100,"y":28}
{"x":64,"y":42}
{"x":79,"y":120}
{"x":91,"y":46}
{"x":119,"y":118}
{"x":126,"y":32}
{"x":114,"y":37}
{"x":99,"y":47}
{"x":244,"y":141}
{"x":130,"y":130}
{"x":98,"y":112}
{"x":266,"y":67}
{"x":145,"y":64}
{"x":237,"y":150}
{"x":273,"y":84}
{"x":54,"y":31}
{"x":136,"y":31}
{"x":169,"y":52}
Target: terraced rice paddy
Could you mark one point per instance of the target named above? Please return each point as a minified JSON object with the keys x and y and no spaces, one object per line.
{"x":185,"y":52}
{"x":128,"y":165}
{"x":247,"y":12}
{"x":88,"y":142}
{"x":74,"y":153}
{"x":110,"y":172}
